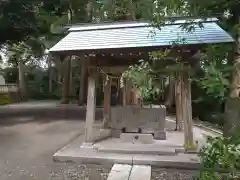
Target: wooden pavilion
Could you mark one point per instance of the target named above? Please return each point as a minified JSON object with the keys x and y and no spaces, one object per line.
{"x":110,"y":48}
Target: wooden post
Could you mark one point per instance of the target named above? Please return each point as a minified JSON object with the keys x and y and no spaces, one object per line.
{"x":187,"y":112}
{"x":124,"y":89}
{"x":107,"y":102}
{"x":82,"y":88}
{"x":128,"y":92}
{"x":178,"y":103}
{"x":91,"y":107}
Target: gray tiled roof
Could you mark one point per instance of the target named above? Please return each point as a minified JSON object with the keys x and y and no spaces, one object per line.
{"x":138,"y":34}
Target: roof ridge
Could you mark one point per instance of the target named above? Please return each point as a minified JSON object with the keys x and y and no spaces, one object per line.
{"x":132,"y":24}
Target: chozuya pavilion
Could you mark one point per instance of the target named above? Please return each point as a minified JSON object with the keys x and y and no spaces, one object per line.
{"x":133,"y":133}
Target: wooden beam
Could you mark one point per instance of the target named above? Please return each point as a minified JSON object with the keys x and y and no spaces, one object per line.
{"x":124,"y":50}
{"x":114,"y":70}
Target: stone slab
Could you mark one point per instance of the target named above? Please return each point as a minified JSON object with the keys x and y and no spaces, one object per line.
{"x":137,"y":138}
{"x":101,"y":158}
{"x":160,"y":135}
{"x":138,"y":149}
{"x":140,"y":172}
{"x":183,"y":161}
{"x":120,"y":172}
{"x":116,"y":133}
{"x":93,"y":158}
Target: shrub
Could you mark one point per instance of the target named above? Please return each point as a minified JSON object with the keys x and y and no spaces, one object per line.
{"x":5,"y":99}
{"x":221,"y":153}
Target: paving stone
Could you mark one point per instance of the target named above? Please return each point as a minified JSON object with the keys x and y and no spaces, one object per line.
{"x":120,"y":172}
{"x":140,"y":173}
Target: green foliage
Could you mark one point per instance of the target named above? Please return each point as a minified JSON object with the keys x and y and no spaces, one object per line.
{"x":20,"y":20}
{"x":210,"y":84}
{"x":220,"y":153}
{"x":5,"y":99}
{"x":217,"y":71}
{"x":214,"y":82}
{"x":151,"y":86}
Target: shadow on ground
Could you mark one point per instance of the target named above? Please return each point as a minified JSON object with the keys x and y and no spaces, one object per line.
{"x":42,"y":112}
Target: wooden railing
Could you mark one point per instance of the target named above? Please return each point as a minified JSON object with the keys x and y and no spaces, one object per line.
{"x":8,"y":88}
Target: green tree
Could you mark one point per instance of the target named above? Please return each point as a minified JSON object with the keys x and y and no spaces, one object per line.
{"x":18,"y":55}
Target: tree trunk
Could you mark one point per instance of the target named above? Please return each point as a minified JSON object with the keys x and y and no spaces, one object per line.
{"x":132,"y":10}
{"x":235,"y":79}
{"x":170,"y":94}
{"x":89,"y":12}
{"x":21,"y":80}
{"x":66,"y":80}
{"x":50,"y":74}
{"x":232,"y":124}
{"x":71,"y":91}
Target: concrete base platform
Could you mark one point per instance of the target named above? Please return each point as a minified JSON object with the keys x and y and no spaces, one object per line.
{"x":162,"y":153}
{"x":180,"y":161}
{"x":139,"y":149}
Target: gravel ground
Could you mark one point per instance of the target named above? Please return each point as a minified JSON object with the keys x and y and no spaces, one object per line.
{"x":27,"y":146}
{"x":171,"y":174}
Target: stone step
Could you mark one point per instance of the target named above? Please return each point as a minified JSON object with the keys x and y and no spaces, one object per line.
{"x":88,"y":156}
{"x":138,"y":149}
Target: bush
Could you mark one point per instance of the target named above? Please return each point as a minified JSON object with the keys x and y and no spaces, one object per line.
{"x":5,"y":99}
{"x":220,"y":153}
